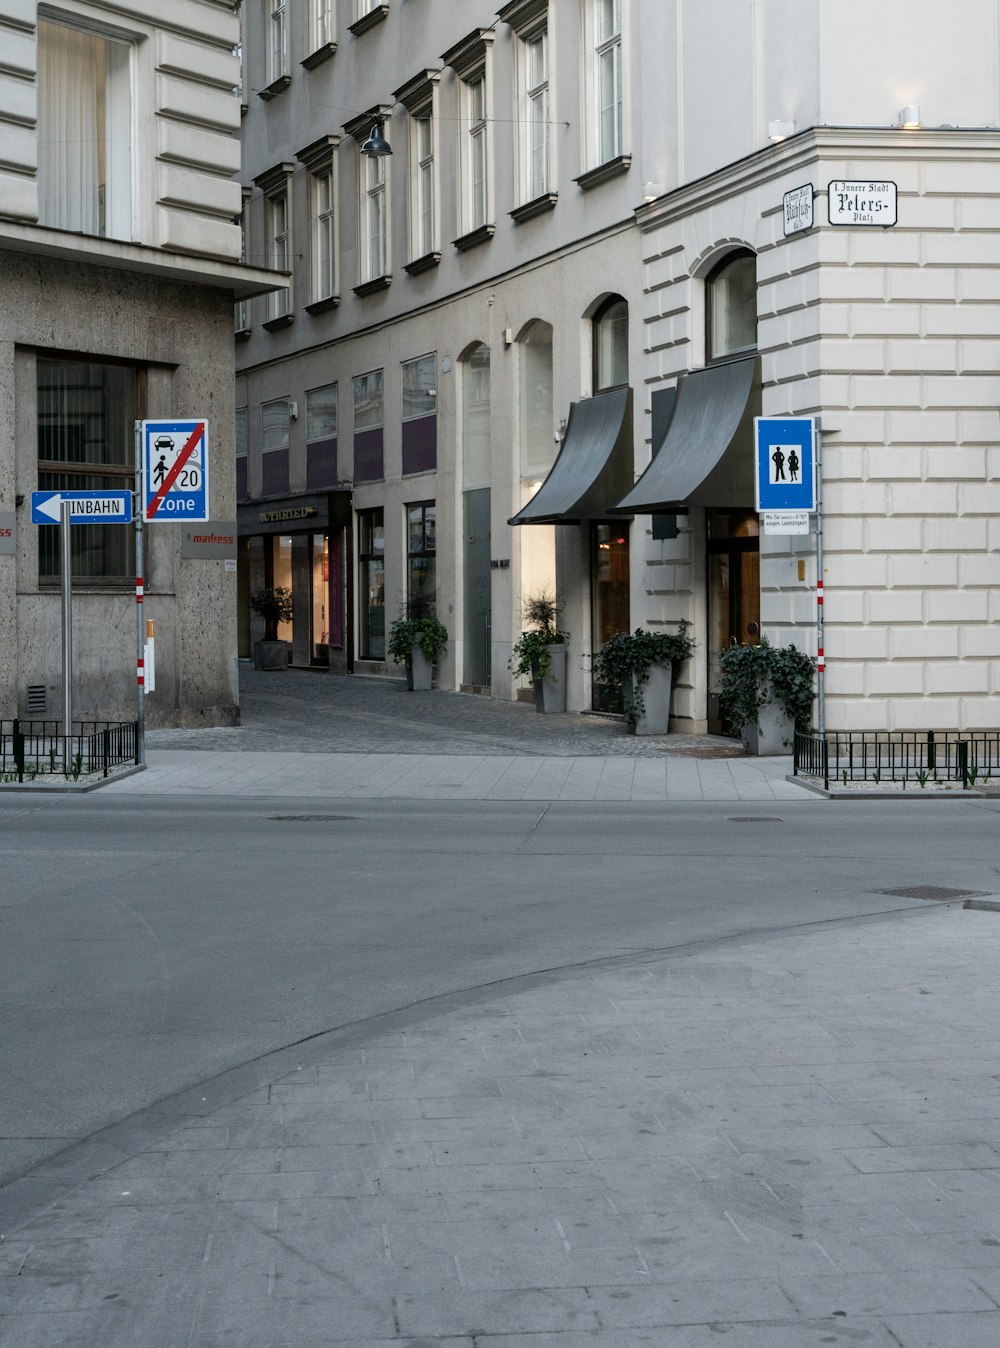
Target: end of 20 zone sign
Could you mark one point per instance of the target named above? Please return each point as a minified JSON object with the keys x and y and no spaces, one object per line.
{"x":175,"y":470}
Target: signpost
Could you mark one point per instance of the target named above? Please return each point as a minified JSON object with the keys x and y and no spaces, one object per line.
{"x":174,"y":470}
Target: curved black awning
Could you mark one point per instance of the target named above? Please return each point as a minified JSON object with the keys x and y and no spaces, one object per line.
{"x":594,"y":467}
{"x":706,"y":456}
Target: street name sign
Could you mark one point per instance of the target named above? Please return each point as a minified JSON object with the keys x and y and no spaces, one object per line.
{"x":797,"y":209}
{"x":175,"y":470}
{"x":85,"y":507}
{"x":861,"y":203}
{"x":785,"y":473}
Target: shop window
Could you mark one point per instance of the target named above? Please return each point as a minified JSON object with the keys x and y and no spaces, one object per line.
{"x":731,"y":306}
{"x":85,"y":165}
{"x":421,"y":550}
{"x":611,"y":344}
{"x":371,"y":577}
{"x":86,"y":414}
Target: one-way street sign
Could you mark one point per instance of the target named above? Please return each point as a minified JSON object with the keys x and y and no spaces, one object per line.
{"x":86,"y":507}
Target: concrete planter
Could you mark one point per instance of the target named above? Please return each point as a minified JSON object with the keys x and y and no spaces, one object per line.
{"x":654,"y":718}
{"x":270,"y":655}
{"x":773,"y":734}
{"x":420,"y":671}
{"x":550,"y":692}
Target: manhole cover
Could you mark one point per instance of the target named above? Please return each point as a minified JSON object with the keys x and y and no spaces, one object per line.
{"x":755,"y":819}
{"x":936,"y":893}
{"x":309,"y":818}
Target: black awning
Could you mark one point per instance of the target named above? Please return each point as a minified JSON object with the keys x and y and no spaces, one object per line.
{"x":706,"y":455}
{"x":594,"y":467}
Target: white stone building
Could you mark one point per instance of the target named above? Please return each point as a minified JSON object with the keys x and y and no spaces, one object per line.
{"x":119,"y":267}
{"x":584,"y":209}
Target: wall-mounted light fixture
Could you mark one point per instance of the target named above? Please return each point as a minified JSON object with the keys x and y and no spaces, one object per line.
{"x":779,"y":131}
{"x":376,"y":146}
{"x":651,"y":190}
{"x":909,"y":117}
{"x":293,"y":410}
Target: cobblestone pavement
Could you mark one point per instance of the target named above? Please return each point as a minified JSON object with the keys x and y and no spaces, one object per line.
{"x":307,"y":712}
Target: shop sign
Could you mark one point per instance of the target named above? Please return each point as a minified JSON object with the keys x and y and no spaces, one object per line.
{"x":8,"y":538}
{"x":798,"y":209}
{"x":862,"y":203}
{"x":278,"y":516}
{"x":215,"y":539}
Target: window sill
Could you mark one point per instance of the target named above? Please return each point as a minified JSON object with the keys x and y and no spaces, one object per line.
{"x":475,"y":237}
{"x":276,"y":324}
{"x":538,"y":206}
{"x":276,"y":87}
{"x":369,"y":20}
{"x":604,"y":172}
{"x":320,"y":55}
{"x":242,"y":335}
{"x":374,"y":286}
{"x":424,"y":263}
{"x":322,"y":306}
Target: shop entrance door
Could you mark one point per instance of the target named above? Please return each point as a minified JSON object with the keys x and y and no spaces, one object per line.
{"x":609,"y":590}
{"x":733,"y":595}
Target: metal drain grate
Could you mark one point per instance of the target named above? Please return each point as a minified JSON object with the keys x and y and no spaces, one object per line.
{"x":310,"y":818}
{"x":754,"y":819}
{"x":935,"y":893}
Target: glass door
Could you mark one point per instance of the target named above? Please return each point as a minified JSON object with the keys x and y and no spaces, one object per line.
{"x":320,"y":609}
{"x":733,"y":594}
{"x":609,"y":597}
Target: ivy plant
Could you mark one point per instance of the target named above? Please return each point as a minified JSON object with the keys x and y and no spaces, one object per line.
{"x":623,"y":663}
{"x":531,"y":655}
{"x":753,"y":676}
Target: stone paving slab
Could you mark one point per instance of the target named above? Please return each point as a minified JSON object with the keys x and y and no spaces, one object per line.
{"x":774,"y":1142}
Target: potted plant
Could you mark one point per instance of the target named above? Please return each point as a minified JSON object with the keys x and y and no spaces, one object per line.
{"x":640,"y":668}
{"x":539,"y":654}
{"x":416,"y":640}
{"x":766,"y":694}
{"x":274,"y":605}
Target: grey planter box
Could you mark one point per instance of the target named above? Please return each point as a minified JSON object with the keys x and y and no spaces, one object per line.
{"x":655,"y":716}
{"x":420,"y":674}
{"x":550,"y":692}
{"x":270,"y":655}
{"x":773,"y":734}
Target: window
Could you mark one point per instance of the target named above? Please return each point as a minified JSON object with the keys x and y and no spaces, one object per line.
{"x":324,"y":233}
{"x":374,"y":217}
{"x":241,"y":311}
{"x":322,"y":25}
{"x":371,"y":579}
{"x":421,"y":548}
{"x":476,"y":162}
{"x":368,"y":427}
{"x":419,"y":97}
{"x":277,"y":50}
{"x":608,"y":75}
{"x":278,"y":248}
{"x":536,"y":114}
{"x":419,"y":391}
{"x":84,"y":132}
{"x":321,"y":413}
{"x":274,"y":422}
{"x":538,"y":448}
{"x":611,"y":344}
{"x":86,"y":413}
{"x":241,"y":430}
{"x":731,"y":306}
{"x":424,"y":232}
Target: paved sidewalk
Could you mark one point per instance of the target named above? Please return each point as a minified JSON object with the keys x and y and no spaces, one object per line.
{"x":780,"y":1143}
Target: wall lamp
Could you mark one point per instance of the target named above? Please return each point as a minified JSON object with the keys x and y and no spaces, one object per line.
{"x":778,"y":131}
{"x":909,"y":117}
{"x":376,"y":146}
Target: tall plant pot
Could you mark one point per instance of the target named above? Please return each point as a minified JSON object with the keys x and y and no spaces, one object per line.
{"x":420,"y":671}
{"x":774,"y":732}
{"x":550,"y":692}
{"x":654,"y":719}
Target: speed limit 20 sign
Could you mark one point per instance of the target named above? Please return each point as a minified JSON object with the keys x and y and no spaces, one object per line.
{"x":175,"y":470}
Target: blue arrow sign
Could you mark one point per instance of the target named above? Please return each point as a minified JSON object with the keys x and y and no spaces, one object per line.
{"x":86,"y":507}
{"x":786,"y":467}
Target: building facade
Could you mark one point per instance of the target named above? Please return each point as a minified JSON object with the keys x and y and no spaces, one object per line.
{"x":525,"y":350}
{"x":119,"y":267}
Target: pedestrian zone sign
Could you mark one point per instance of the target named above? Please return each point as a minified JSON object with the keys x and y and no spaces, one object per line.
{"x":785,"y":463}
{"x":175,"y":470}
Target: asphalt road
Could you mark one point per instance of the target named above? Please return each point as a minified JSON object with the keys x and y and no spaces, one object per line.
{"x":147,"y":945}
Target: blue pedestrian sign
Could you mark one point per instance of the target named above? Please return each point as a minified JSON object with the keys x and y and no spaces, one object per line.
{"x":85,"y":507}
{"x":785,"y":463}
{"x":175,"y":470}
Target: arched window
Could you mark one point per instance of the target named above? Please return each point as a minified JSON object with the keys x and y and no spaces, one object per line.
{"x":731,"y":306}
{"x":611,"y":344}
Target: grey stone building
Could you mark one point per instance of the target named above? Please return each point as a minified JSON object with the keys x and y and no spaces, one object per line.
{"x":119,"y":267}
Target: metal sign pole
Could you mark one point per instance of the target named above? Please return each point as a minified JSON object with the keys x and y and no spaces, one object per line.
{"x":66,"y":574}
{"x":140,"y":626}
{"x":820,"y":619}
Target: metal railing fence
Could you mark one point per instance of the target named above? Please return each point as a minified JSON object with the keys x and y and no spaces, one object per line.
{"x":907,"y":757}
{"x":30,"y":748}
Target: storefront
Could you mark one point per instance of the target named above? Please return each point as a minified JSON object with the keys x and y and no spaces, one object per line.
{"x":301,"y":544}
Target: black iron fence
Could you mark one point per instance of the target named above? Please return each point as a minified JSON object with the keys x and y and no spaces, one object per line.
{"x":30,"y":749}
{"x":917,"y":758}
